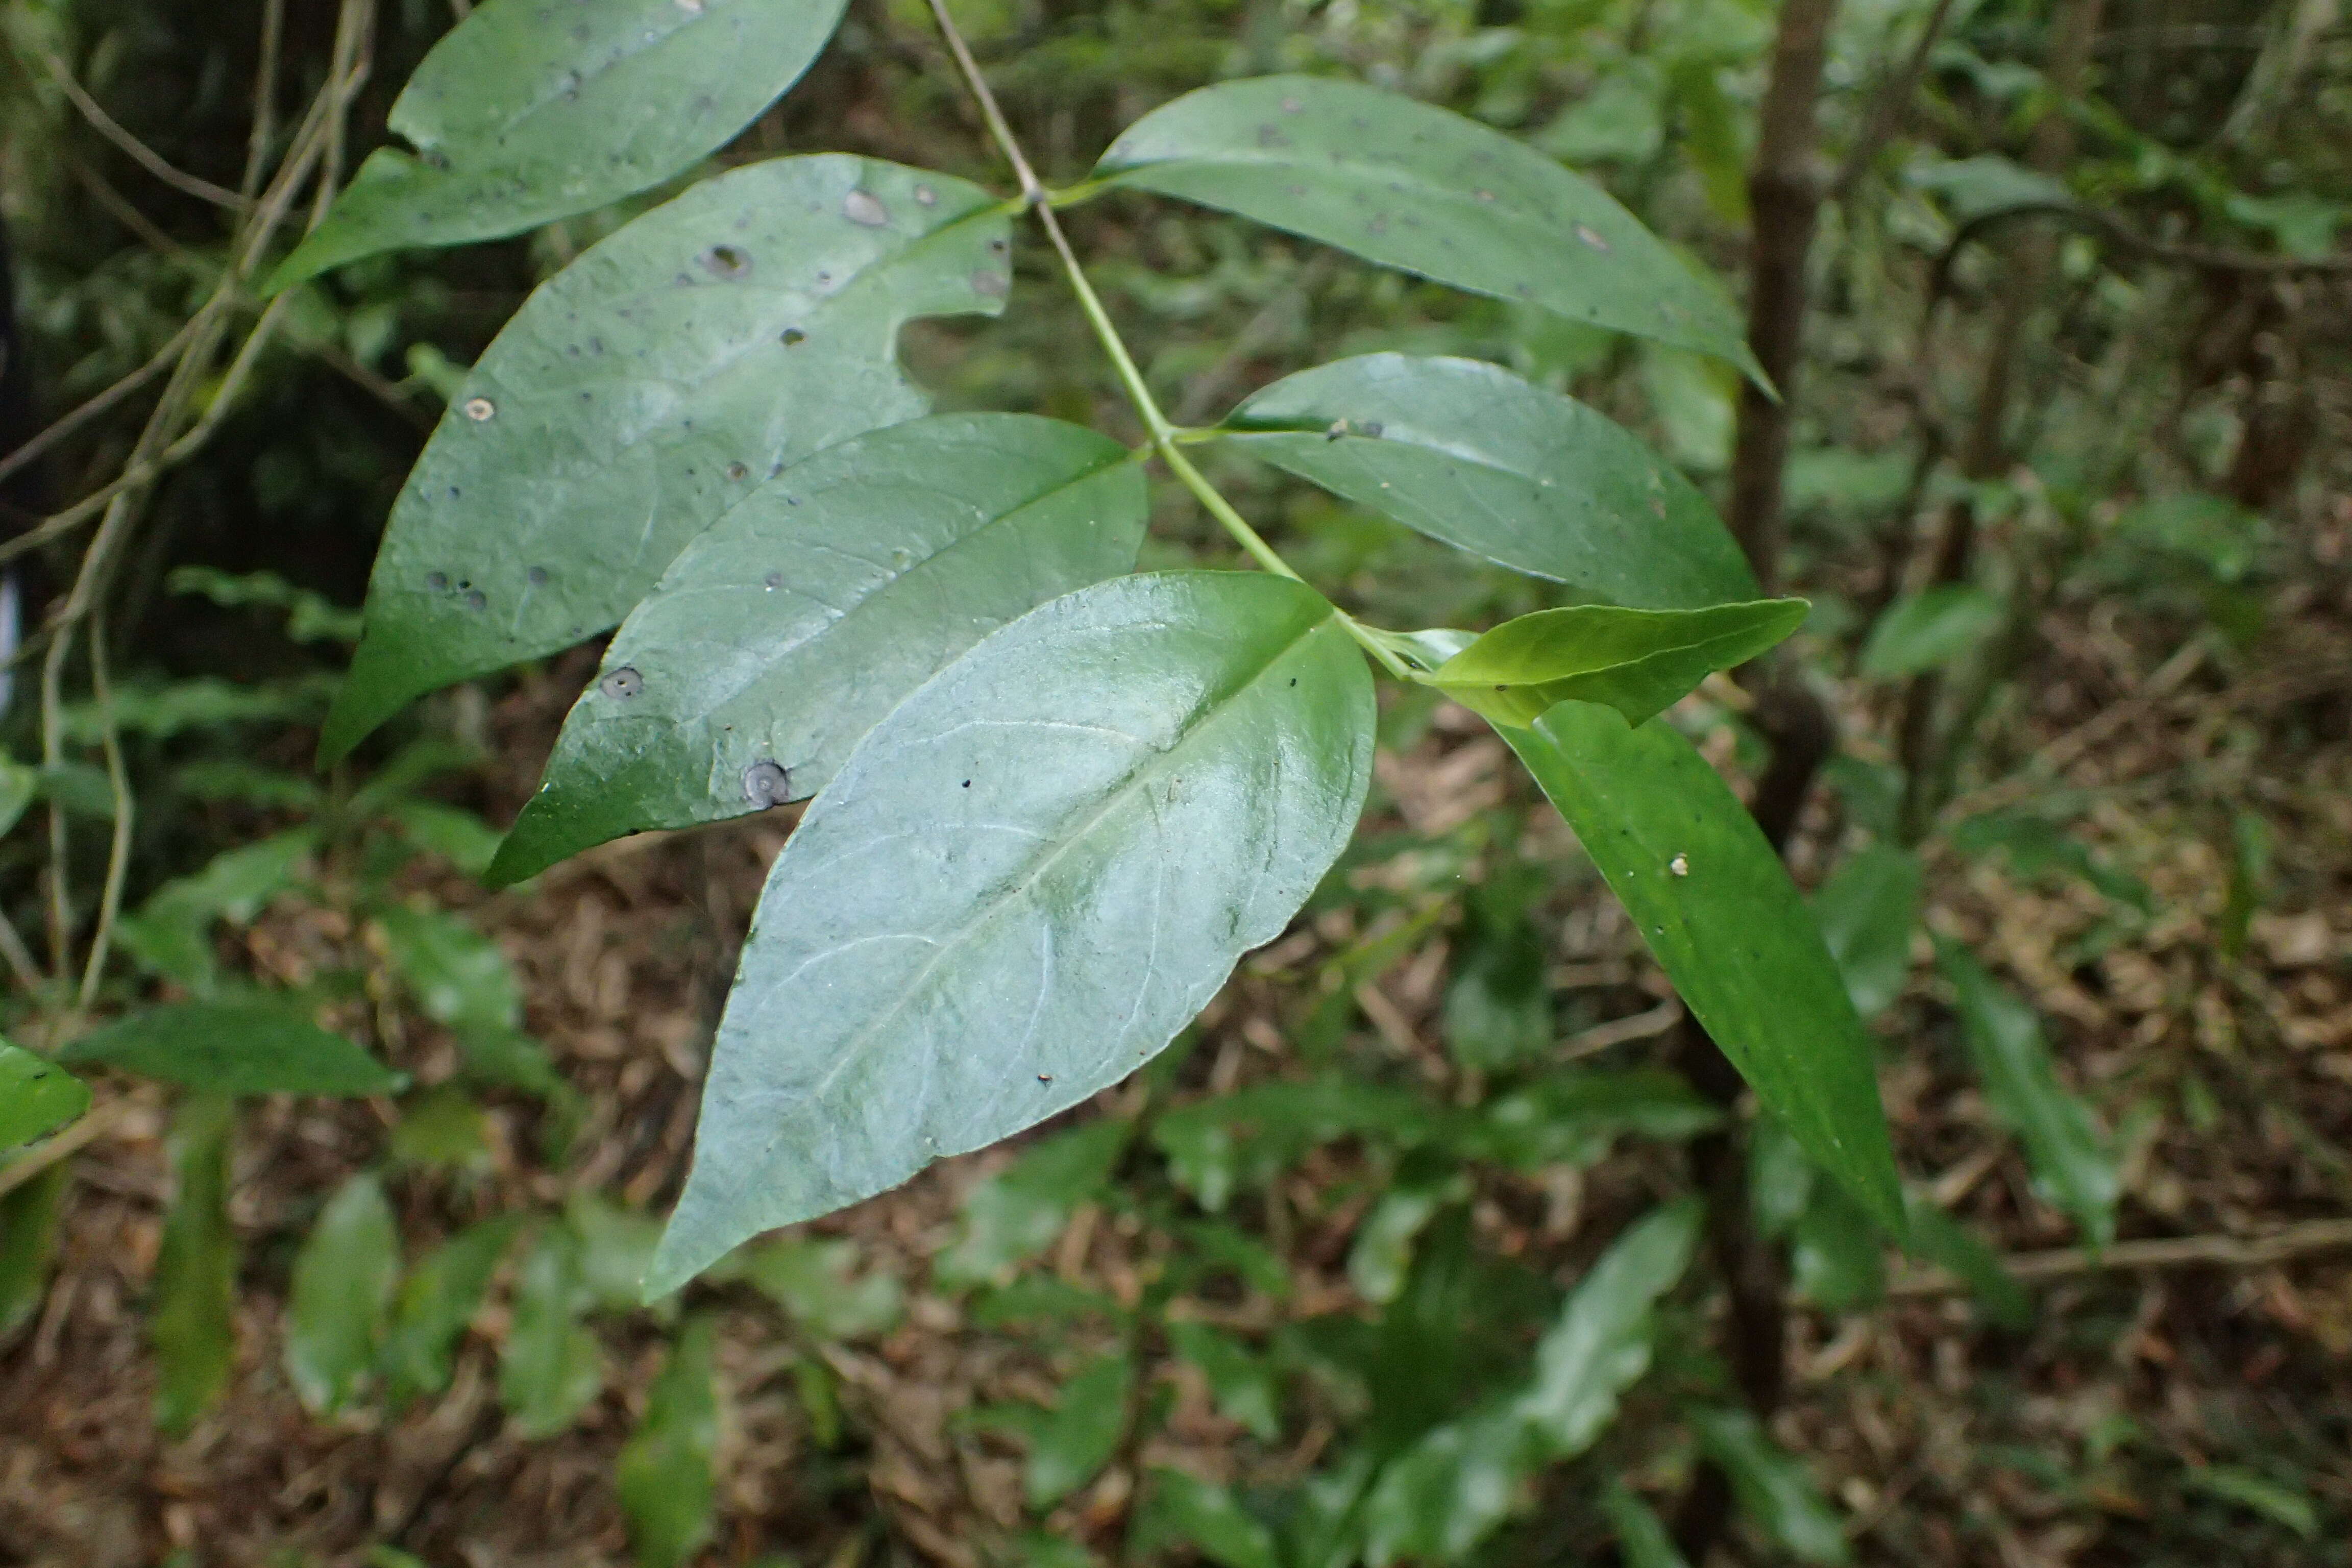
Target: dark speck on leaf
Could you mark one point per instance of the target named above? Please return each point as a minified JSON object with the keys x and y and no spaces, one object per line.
{"x":794,"y":335}
{"x":622,"y":684}
{"x":967,"y":783}
{"x":738,"y":471}
{"x":774,"y":580}
{"x":1044,"y":1078}
{"x":727,"y":262}
{"x":767,"y":783}
{"x":536,"y":576}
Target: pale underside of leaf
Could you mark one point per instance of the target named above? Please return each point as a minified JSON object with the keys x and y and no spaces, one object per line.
{"x":1412,"y":186}
{"x":522,"y":116}
{"x":1021,"y":885}
{"x":645,"y":390}
{"x":1471,"y":455}
{"x":793,"y":624}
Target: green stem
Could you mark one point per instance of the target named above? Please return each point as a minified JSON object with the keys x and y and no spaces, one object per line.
{"x":1163,"y":433}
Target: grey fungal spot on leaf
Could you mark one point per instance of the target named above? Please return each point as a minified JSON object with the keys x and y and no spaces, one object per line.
{"x":622,"y":684}
{"x":926,"y":197}
{"x":477,"y":601}
{"x":1585,"y":233}
{"x":767,"y":783}
{"x":437,"y":582}
{"x":865,"y":209}
{"x":536,"y":576}
{"x":991,"y":285}
{"x":478,"y":409}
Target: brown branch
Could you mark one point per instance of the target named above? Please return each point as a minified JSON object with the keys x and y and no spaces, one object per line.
{"x":2281,"y":1246}
{"x":146,"y":157}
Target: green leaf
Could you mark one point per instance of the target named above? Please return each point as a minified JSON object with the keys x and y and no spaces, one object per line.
{"x":1442,"y":1495}
{"x":1836,"y":1259}
{"x":615,"y":1245}
{"x":645,"y":390}
{"x":256,"y":1046}
{"x":2037,"y":847}
{"x":1640,"y":662}
{"x":436,"y":1302}
{"x":192,"y":1319}
{"x":36,"y":1096}
{"x":2250,"y":1489}
{"x":1184,"y":1509}
{"x":20,"y":786}
{"x":522,"y":115}
{"x":1057,"y":848}
{"x":1572,"y":1116}
{"x":1599,"y":1345}
{"x":1014,"y":1214}
{"x":1867,"y":910}
{"x":1772,"y":1487}
{"x":780,"y":635}
{"x":1930,"y":628}
{"x":1080,"y":1437}
{"x":1642,"y":1538}
{"x":1469,"y":454}
{"x":460,"y":838}
{"x":2073,"y":1165}
{"x":552,"y":1368}
{"x":458,"y":976}
{"x":442,"y":1128}
{"x":1715,"y":906}
{"x":1498,"y":1011}
{"x":1979,"y":187}
{"x":1938,"y":1238}
{"x":344,"y":1283}
{"x":28,"y":1245}
{"x":664,"y":1476}
{"x":1417,"y":188}
{"x":170,"y":934}
{"x":1244,"y":1140}
{"x":818,"y":1283}
{"x":1243,"y":1385}
{"x":1382,"y":1255}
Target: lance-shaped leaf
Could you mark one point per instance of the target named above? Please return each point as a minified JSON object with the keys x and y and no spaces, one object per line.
{"x":343,"y":1280}
{"x":664,"y":1476}
{"x":36,"y":1096}
{"x":1469,"y":454}
{"x":1717,"y":909}
{"x":2072,"y":1164}
{"x":1772,"y":1485}
{"x":1640,"y":662}
{"x":1642,"y":1538}
{"x":788,"y":629}
{"x":527,"y":112}
{"x":258,"y":1047}
{"x":28,"y":1244}
{"x":647,"y":388}
{"x":1418,"y":188}
{"x":1867,"y":909}
{"x":1021,"y":884}
{"x":1601,"y":1344}
{"x":191,"y":1319}
{"x":436,"y":1302}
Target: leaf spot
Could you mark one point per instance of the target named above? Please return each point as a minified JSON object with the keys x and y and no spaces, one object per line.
{"x":1486,"y":195}
{"x":926,"y":197}
{"x":622,"y":684}
{"x":1679,"y":865}
{"x":536,"y":576}
{"x":865,"y":209}
{"x":767,"y":783}
{"x":437,"y":582}
{"x":478,"y":409}
{"x":727,"y":262}
{"x":794,"y":335}
{"x":1291,"y":105}
{"x":1585,"y":233}
{"x":477,"y":601}
{"x":774,"y":580}
{"x":738,"y":471}
{"x":989,"y":284}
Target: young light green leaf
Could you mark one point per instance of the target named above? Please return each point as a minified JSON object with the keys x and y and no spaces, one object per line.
{"x":818,"y":1283}
{"x":645,"y":389}
{"x":344,"y":1283}
{"x":552,"y":1368}
{"x":1014,"y":1214}
{"x":781,"y":635}
{"x":1184,"y":1509}
{"x":1715,"y":906}
{"x":1242,"y":1384}
{"x":664,"y":1478}
{"x":1772,"y":1485}
{"x":2073,"y":1165}
{"x":521,"y":115}
{"x":1599,"y":1345}
{"x":1444,"y":1494}
{"x":1469,"y":454}
{"x":28,"y":1245}
{"x":1080,"y":1437}
{"x":1929,"y":629}
{"x":191,"y":1318}
{"x":458,"y":976}
{"x":254,"y":1047}
{"x":36,"y":1096}
{"x":1642,"y":1538}
{"x":1640,"y":662}
{"x":1867,"y":910}
{"x":436,"y":1302}
{"x":1058,"y":846}
{"x":1414,"y":187}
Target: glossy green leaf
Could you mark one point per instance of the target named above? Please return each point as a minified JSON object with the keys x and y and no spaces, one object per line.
{"x":1714,"y":903}
{"x":28,"y":1245}
{"x":1469,"y":454}
{"x":1184,"y":1509}
{"x":1642,"y":1538}
{"x":1928,"y":629}
{"x":819,"y":1284}
{"x":1075,"y":1442}
{"x":550,"y":1368}
{"x":1241,"y":1382}
{"x":523,"y":114}
{"x":344,"y":1283}
{"x":1599,"y":1345}
{"x":436,"y":1303}
{"x":458,"y":975}
{"x":1867,"y":910}
{"x":1014,"y":1214}
{"x":1414,"y":187}
{"x":36,"y":1096}
{"x":256,"y":1046}
{"x":1640,"y":662}
{"x":192,"y":1315}
{"x":1056,"y":850}
{"x":664,"y":1477}
{"x":784,"y":632}
{"x":2074,"y":1167}
{"x":1937,"y":1238}
{"x":645,"y":389}
{"x":1444,"y":1494}
{"x":1773,"y":1489}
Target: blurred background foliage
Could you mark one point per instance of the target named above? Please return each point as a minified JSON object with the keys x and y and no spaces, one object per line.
{"x":1355,"y":1273}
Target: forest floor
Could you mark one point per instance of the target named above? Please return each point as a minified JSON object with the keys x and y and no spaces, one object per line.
{"x":2139,"y":1421}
